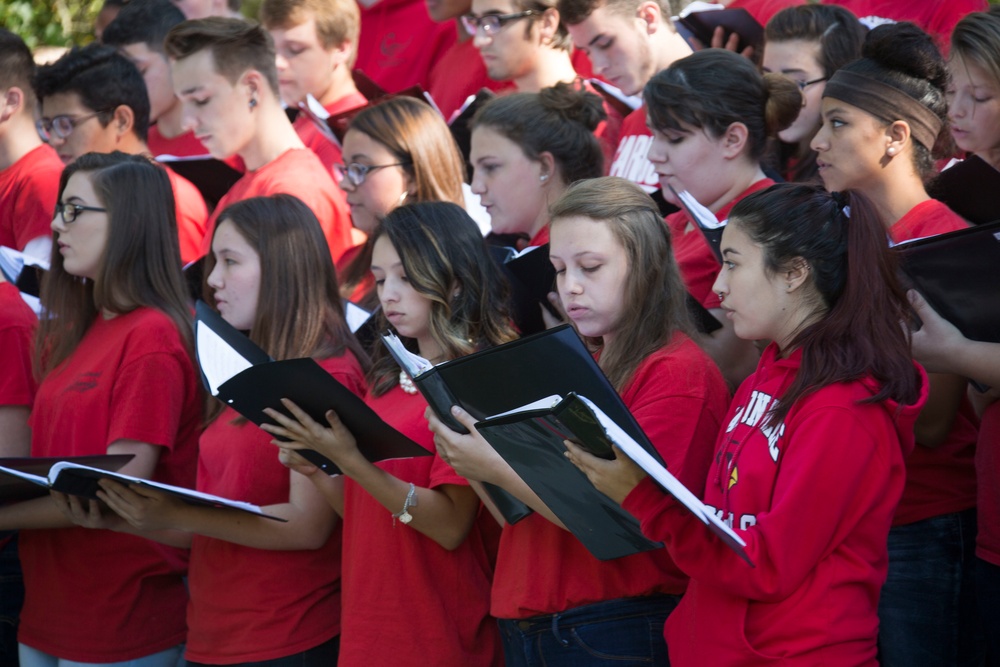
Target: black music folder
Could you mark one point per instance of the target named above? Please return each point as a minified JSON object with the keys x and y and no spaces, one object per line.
{"x":24,"y":478}
{"x":531,"y":277}
{"x":957,"y":274}
{"x":212,"y":177}
{"x":531,"y":440}
{"x":701,"y":25}
{"x":502,"y":378}
{"x":244,"y":377}
{"x":969,"y":188}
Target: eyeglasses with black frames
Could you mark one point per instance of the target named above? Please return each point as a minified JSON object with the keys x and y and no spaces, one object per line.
{"x":491,"y":24}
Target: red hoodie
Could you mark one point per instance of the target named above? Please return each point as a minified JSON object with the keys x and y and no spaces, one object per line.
{"x":813,"y":498}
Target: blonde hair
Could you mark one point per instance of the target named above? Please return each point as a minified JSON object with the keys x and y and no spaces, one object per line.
{"x":655,"y":298}
{"x":337,"y":21}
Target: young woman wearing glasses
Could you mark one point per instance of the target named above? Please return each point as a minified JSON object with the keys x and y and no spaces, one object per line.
{"x":396,"y":152}
{"x":117,"y":377}
{"x":808,"y":44}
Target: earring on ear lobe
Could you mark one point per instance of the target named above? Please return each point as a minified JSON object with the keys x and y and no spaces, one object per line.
{"x":253,"y":102}
{"x":890,"y":150}
{"x":543,"y":178}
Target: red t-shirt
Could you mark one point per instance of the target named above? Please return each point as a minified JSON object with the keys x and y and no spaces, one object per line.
{"x":630,"y":161}
{"x":408,"y":600}
{"x":183,"y":145}
{"x":17,"y":329}
{"x":296,"y":172}
{"x":988,"y":499}
{"x":763,"y":10}
{"x":28,"y":191}
{"x":608,"y":131}
{"x":936,"y":18}
{"x":327,"y":151}
{"x":192,"y":216}
{"x":941,"y":480}
{"x":813,"y":497}
{"x":250,"y":605}
{"x":400,"y":44}
{"x":97,"y":595}
{"x":695,"y":259}
{"x":456,"y":75}
{"x":678,"y":398}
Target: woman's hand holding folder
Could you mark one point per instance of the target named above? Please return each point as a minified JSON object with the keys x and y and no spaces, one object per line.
{"x":335,"y":441}
{"x":615,"y":477}
{"x":468,"y":454}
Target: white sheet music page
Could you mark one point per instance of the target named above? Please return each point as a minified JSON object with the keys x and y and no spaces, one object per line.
{"x":218,"y":360}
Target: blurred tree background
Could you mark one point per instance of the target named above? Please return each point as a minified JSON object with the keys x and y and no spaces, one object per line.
{"x":67,"y":22}
{"x":50,"y":22}
{"x":61,"y":22}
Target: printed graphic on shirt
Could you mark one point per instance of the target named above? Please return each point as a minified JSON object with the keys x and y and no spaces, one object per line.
{"x":630,"y":162}
{"x":85,"y":382}
{"x":745,"y":521}
{"x":753,"y":414}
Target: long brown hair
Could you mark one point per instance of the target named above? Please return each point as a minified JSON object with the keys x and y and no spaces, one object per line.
{"x":860,"y":298}
{"x":418,"y":137}
{"x":446,"y":260}
{"x":655,"y":307}
{"x":140,"y":265}
{"x":299,"y":312}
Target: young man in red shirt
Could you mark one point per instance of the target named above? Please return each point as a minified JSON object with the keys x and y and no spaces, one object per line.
{"x":137,"y":32}
{"x":525,"y":42}
{"x":93,"y":100}
{"x":459,"y":72}
{"x":224,"y":72}
{"x":316,"y":42}
{"x":628,"y":41}
{"x":29,"y":170}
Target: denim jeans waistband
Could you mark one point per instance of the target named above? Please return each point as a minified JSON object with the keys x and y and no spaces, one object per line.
{"x":598,"y":611}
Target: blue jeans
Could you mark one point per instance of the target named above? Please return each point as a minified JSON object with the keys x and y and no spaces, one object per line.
{"x":324,"y":655}
{"x":927,"y":612}
{"x":11,"y":598}
{"x":171,"y":657}
{"x":623,"y":632}
{"x":988,"y":597}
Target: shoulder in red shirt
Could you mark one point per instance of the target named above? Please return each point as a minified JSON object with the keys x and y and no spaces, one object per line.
{"x":17,"y":330}
{"x":327,"y":151}
{"x":936,"y":18}
{"x":192,"y":216}
{"x":456,"y":75}
{"x":697,"y":263}
{"x":813,"y":497}
{"x":400,"y":44}
{"x":28,"y":191}
{"x":679,"y":398}
{"x":630,"y":161}
{"x":296,"y":172}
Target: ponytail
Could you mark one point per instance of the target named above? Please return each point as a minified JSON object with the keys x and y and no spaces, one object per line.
{"x":842,"y":239}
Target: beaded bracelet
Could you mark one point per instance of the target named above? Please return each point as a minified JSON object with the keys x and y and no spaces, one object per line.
{"x":411,"y":501}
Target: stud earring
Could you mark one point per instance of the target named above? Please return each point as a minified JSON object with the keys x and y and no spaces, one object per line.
{"x":543,"y":178}
{"x":253,"y":102}
{"x":890,"y":150}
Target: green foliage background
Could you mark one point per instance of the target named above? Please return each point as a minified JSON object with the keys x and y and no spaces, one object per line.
{"x":66,"y":22}
{"x":61,"y":22}
{"x":52,"y":22}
